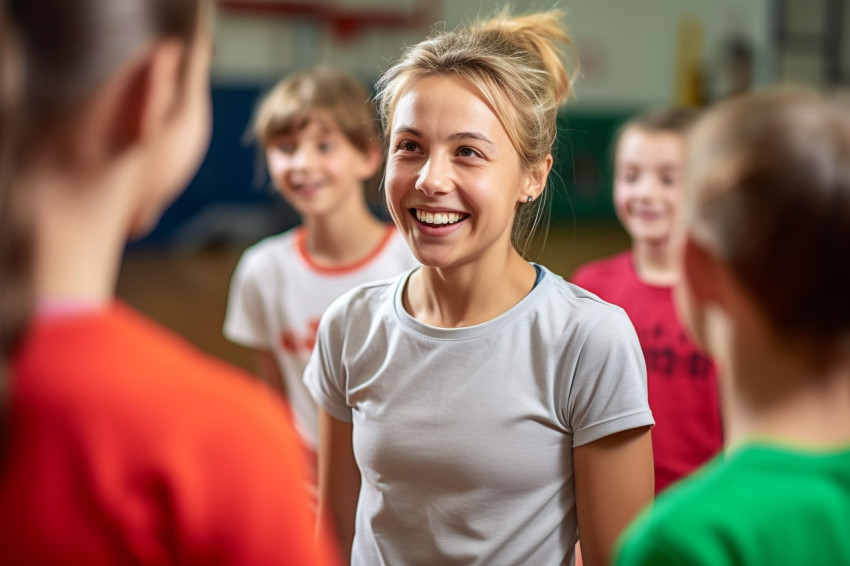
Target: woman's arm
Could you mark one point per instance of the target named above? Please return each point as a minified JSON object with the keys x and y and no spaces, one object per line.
{"x":614,"y":480}
{"x":339,"y":480}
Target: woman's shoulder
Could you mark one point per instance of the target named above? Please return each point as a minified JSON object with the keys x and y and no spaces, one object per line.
{"x":578,"y":314}
{"x":363,"y":301}
{"x":577,"y":298}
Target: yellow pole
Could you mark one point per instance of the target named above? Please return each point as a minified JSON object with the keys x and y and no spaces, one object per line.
{"x":690,"y":87}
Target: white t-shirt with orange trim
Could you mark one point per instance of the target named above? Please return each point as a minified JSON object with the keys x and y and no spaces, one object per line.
{"x":278,"y":294}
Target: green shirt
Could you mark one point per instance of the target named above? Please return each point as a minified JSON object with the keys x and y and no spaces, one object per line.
{"x":762,"y":505}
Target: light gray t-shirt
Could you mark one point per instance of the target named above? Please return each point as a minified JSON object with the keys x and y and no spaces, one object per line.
{"x":464,"y":436}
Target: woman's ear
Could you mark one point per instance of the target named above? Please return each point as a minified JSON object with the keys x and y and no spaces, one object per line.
{"x":536,"y":180}
{"x":131,"y":107}
{"x":159,"y":84}
{"x":140,"y":101}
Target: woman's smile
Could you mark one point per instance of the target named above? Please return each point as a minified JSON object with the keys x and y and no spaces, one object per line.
{"x":454,"y":179}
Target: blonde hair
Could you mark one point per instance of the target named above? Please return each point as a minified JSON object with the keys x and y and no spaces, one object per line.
{"x":516,"y":62}
{"x":767,"y":186}
{"x":293,"y":101}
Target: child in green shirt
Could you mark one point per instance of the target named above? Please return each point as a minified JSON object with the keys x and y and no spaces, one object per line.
{"x":765,"y":291}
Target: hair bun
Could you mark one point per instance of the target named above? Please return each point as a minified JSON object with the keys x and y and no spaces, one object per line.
{"x":545,"y":36}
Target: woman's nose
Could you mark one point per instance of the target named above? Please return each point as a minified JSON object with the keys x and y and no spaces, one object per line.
{"x":433,"y":177}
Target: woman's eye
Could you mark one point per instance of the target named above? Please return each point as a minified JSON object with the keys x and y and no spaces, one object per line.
{"x":325,"y":146}
{"x":467,"y":152}
{"x":407,"y":146}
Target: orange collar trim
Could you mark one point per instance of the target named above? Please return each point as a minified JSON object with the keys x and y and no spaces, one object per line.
{"x":345,"y":269}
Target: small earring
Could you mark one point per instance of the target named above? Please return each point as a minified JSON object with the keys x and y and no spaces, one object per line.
{"x":528,"y":200}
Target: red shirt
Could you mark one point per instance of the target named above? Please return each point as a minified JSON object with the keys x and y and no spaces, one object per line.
{"x":129,"y":446}
{"x":681,"y":380}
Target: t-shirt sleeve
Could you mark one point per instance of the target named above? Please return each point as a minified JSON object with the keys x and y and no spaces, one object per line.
{"x":608,"y":393}
{"x":246,"y":318}
{"x":324,"y":375}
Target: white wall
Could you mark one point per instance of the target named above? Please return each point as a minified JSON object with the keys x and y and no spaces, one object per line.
{"x":629,"y":46}
{"x":639,"y":40}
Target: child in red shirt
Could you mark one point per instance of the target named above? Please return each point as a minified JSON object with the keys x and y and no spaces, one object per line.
{"x":681,"y":379}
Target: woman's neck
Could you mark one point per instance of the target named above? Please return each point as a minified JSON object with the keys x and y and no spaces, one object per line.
{"x":345,"y":235}
{"x":654,"y":262}
{"x":81,"y":224}
{"x":469,"y":294}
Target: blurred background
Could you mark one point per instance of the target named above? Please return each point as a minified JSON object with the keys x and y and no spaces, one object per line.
{"x":634,"y":54}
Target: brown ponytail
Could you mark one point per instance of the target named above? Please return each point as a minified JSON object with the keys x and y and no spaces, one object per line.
{"x":53,"y":58}
{"x":15,"y":229}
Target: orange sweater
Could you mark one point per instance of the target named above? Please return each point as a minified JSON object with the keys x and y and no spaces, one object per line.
{"x":129,"y":446}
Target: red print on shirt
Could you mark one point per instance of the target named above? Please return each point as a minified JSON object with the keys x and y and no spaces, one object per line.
{"x":300,"y":342}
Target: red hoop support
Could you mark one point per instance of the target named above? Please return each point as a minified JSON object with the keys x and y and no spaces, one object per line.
{"x":345,"y":23}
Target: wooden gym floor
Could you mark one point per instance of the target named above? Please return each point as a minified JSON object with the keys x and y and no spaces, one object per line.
{"x":188,"y":292}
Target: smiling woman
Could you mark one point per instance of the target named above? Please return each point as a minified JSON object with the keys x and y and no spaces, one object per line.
{"x":449,"y":155}
{"x":479,"y":409}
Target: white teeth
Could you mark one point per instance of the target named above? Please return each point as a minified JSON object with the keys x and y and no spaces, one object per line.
{"x":438,"y":218}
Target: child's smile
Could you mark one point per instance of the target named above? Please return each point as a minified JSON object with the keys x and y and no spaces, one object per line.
{"x":306,"y":189}
{"x":646,"y":186}
{"x":316,"y":169}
